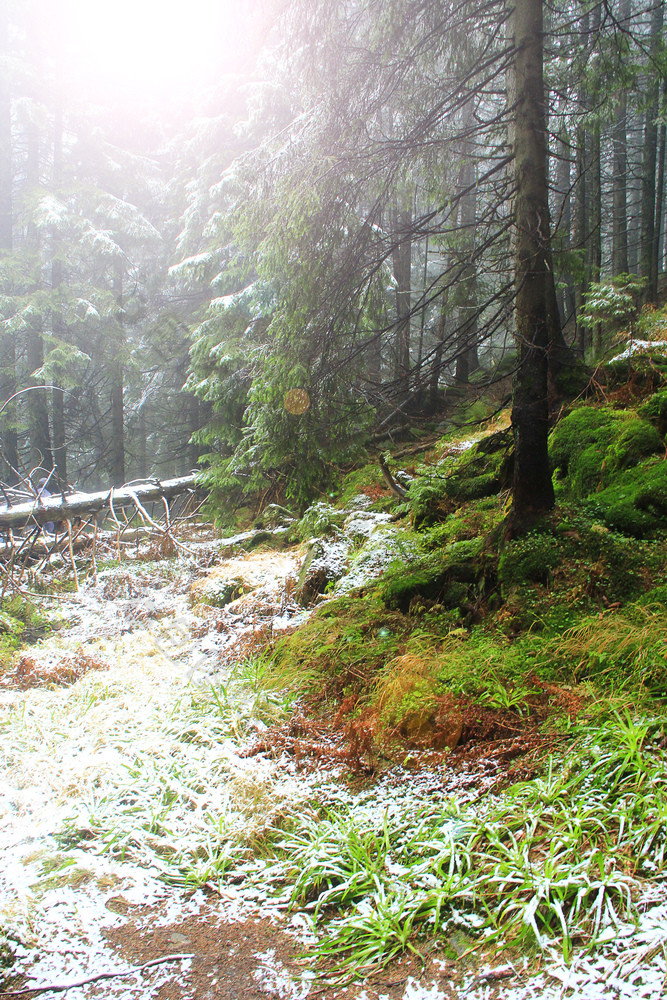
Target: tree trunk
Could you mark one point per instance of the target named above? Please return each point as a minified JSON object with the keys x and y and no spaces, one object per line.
{"x":533,"y":493}
{"x":7,"y":345}
{"x":117,"y":450}
{"x":581,"y":228}
{"x":466,"y":346}
{"x":402,"y":267}
{"x":620,"y":169}
{"x":59,"y":331}
{"x":564,"y":214}
{"x":659,"y":197}
{"x":650,"y":150}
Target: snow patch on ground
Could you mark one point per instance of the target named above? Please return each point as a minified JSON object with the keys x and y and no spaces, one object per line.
{"x":642,"y":347}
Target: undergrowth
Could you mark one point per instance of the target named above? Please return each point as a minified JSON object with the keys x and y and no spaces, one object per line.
{"x":558,"y":858}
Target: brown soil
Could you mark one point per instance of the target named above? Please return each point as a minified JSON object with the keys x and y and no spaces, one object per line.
{"x":254,"y":959}
{"x":228,"y":963}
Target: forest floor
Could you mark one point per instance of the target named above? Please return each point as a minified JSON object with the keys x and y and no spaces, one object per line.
{"x":131,"y":746}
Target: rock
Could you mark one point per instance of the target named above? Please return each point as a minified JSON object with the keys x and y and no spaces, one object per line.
{"x":218,"y":591}
{"x":324,"y":563}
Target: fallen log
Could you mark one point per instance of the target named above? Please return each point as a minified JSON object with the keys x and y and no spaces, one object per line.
{"x":72,"y":505}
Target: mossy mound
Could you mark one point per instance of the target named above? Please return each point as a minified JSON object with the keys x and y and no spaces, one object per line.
{"x":636,"y":502}
{"x":451,"y":578}
{"x":635,"y":376}
{"x":479,"y":472}
{"x":570,"y":565}
{"x":339,"y":650}
{"x":655,"y":411}
{"x":593,"y":444}
{"x":366,"y":481}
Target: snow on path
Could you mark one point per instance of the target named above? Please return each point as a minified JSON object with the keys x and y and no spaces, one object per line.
{"x":66,"y":753}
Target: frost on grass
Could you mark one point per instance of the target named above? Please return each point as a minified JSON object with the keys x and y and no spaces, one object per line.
{"x":130,"y":785}
{"x":127,"y":785}
{"x":558,"y":863}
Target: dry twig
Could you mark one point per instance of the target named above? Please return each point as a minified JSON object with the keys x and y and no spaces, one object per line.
{"x":63,"y":987}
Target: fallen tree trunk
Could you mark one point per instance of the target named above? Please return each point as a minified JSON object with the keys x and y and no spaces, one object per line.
{"x":72,"y":505}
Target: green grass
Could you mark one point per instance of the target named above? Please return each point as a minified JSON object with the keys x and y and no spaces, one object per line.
{"x":558,"y":859}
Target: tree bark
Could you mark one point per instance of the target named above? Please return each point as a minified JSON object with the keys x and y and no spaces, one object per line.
{"x":620,"y":169}
{"x":55,"y":508}
{"x":650,"y":151}
{"x":7,"y":345}
{"x":402,"y":267}
{"x":659,"y":198}
{"x":117,"y":452}
{"x":59,"y":331}
{"x":533,"y":493}
{"x":466,"y":348}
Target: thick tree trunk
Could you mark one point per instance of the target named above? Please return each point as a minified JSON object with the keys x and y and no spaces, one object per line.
{"x":533,"y":493}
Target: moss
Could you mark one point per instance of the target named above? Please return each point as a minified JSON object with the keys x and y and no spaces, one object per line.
{"x":480,"y":472}
{"x":636,"y":441}
{"x":636,"y":502}
{"x":472,"y":520}
{"x":591,"y":445}
{"x":338,"y":651}
{"x":572,"y":561}
{"x":367,"y":481}
{"x":529,"y":559}
{"x":447,"y":578}
{"x":655,"y":411}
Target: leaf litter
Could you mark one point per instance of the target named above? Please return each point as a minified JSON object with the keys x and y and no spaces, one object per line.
{"x":127,"y":792}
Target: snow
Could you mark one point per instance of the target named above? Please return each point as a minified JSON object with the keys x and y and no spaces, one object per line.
{"x":83,"y":767}
{"x":228,"y":301}
{"x":642,"y":347}
{"x":417,"y":991}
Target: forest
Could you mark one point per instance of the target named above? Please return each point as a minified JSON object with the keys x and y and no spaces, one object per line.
{"x":333,"y":414}
{"x":332,"y":215}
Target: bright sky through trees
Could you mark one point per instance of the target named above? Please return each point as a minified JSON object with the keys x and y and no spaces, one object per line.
{"x":155,"y":52}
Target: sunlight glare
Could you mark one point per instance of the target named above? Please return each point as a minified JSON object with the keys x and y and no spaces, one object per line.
{"x":156,"y":51}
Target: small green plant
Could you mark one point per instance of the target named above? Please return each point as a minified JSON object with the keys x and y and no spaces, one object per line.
{"x":614,"y":304}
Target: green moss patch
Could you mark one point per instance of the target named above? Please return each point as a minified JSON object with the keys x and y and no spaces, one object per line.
{"x":338,"y":651}
{"x":592,"y":444}
{"x":636,"y":502}
{"x":449,"y":578}
{"x":479,"y":472}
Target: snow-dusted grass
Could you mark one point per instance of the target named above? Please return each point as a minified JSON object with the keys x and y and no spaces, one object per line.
{"x":128,"y":783}
{"x":132,"y":783}
{"x":559,"y":863}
